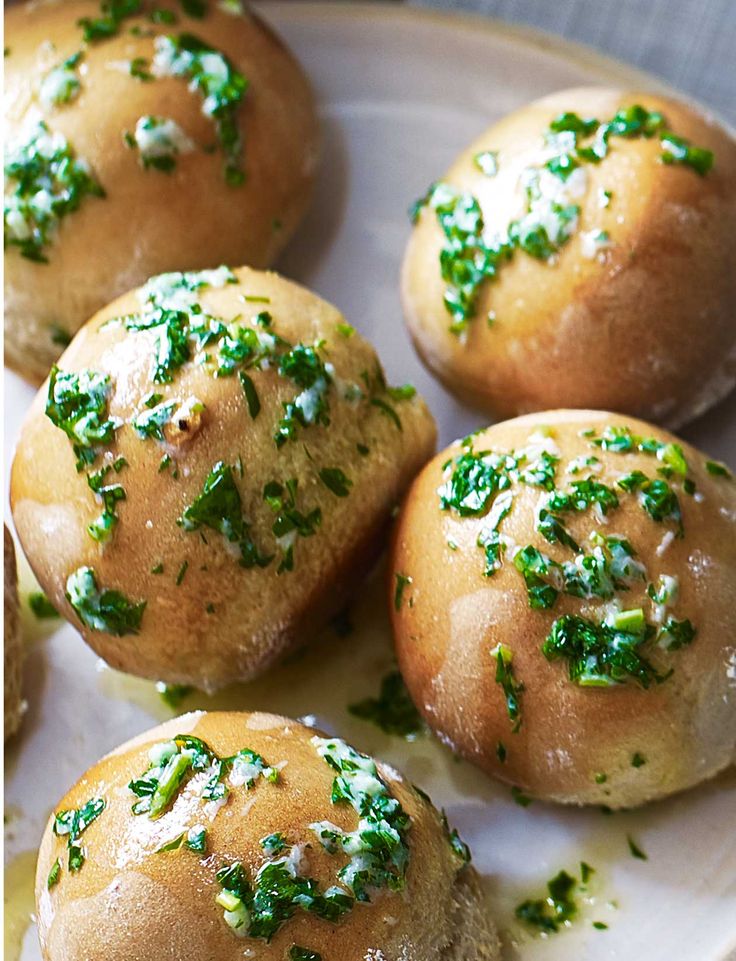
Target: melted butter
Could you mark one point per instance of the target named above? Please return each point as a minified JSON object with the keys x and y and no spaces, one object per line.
{"x":19,"y":902}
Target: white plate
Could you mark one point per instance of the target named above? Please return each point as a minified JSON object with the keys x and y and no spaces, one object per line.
{"x":401,"y":92}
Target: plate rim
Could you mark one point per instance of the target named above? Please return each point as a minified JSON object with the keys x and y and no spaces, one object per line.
{"x":534,"y":38}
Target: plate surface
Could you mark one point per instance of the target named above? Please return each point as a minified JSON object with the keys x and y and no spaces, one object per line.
{"x":401,"y":93}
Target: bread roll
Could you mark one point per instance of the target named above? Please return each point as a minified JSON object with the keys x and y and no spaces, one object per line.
{"x":203,"y":482}
{"x":245,"y":857}
{"x":542,"y":274}
{"x":564,"y":606}
{"x":13,"y":641}
{"x":180,"y":136}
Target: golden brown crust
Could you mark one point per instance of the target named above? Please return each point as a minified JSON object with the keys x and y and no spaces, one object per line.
{"x":258,"y":614}
{"x":644,"y":327}
{"x":452,"y":617}
{"x":151,"y":221}
{"x":13,"y":641}
{"x":129,"y":903}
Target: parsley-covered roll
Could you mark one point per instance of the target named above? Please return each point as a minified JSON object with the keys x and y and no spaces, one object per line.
{"x":141,"y":136}
{"x":200,"y":483}
{"x":579,"y":254}
{"x":224,"y":836}
{"x":13,"y":643}
{"x":564,"y":606}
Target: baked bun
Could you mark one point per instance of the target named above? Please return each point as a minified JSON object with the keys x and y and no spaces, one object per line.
{"x":177,"y":853}
{"x":541,"y":274}
{"x":201,"y":160}
{"x":13,"y":641}
{"x":201,"y":484}
{"x":564,"y":606}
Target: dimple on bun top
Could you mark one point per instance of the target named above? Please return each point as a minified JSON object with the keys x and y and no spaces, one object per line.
{"x":229,"y":836}
{"x":141,"y":137}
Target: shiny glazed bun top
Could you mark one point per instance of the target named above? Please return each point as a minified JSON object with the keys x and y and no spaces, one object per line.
{"x":565,"y":606}
{"x":142,"y":136}
{"x":202,"y":482}
{"x":231,"y":836}
{"x":578,"y":254}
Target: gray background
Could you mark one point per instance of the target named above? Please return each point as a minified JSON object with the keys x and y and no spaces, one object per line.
{"x":689,"y":43}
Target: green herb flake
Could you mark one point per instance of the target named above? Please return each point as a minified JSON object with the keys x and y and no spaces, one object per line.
{"x":551,"y":913}
{"x":219,"y":508}
{"x":393,"y":711}
{"x":335,"y":480}
{"x":512,"y":689}
{"x":638,"y":760}
{"x":251,"y":395}
{"x":402,"y":582}
{"x":586,"y":872}
{"x":717,"y":469}
{"x":501,"y":752}
{"x":518,"y":797}
{"x":72,"y":824}
{"x":102,"y":610}
{"x":173,"y":694}
{"x":600,"y":926}
{"x":112,"y":15}
{"x":45,"y":182}
{"x":221,"y":85}
{"x":273,"y":843}
{"x":181,"y":572}
{"x":297,"y":953}
{"x":41,"y":606}
{"x":54,"y":874}
{"x":77,"y":404}
{"x":636,"y":851}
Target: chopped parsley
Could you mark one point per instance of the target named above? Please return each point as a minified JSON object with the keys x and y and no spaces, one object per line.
{"x":150,"y":423}
{"x":307,"y":370}
{"x":41,"y":606}
{"x":112,"y":14}
{"x":77,"y":404}
{"x":558,"y":908}
{"x":54,"y":874}
{"x":471,"y":256}
{"x":221,"y":86}
{"x":45,"y":182}
{"x":173,"y":694}
{"x":335,"y":479}
{"x":259,"y":909}
{"x":159,"y":141}
{"x":251,"y":394}
{"x":638,"y":760}
{"x":600,"y":655}
{"x":297,"y":953}
{"x":273,"y":843}
{"x":72,"y":824}
{"x":402,"y":582}
{"x":290,"y":522}
{"x":717,"y":469}
{"x":173,"y":763}
{"x":393,"y":711}
{"x":379,"y":853}
{"x":636,"y":851}
{"x":102,"y":610}
{"x":195,"y":839}
{"x":459,"y":847}
{"x":219,"y":508}
{"x":61,"y":84}
{"x":518,"y":797}
{"x":512,"y":689}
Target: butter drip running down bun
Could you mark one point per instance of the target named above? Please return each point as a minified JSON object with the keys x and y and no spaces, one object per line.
{"x":141,"y":137}
{"x":579,"y":253}
{"x":13,"y":643}
{"x":225,"y":836}
{"x":564,"y":606}
{"x":203,"y":481}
